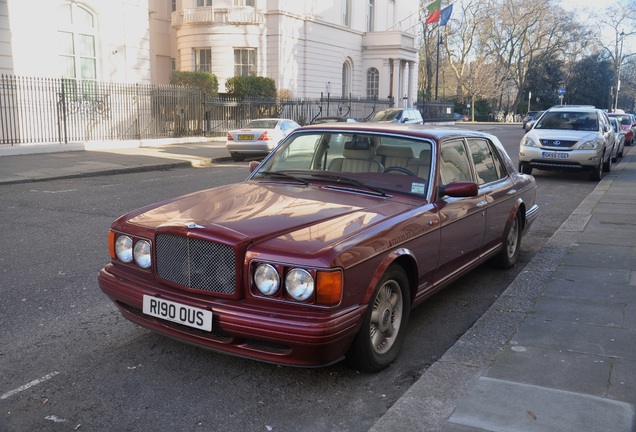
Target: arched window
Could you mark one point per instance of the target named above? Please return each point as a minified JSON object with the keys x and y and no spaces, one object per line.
{"x":373,"y":83}
{"x":77,"y":41}
{"x":346,"y":79}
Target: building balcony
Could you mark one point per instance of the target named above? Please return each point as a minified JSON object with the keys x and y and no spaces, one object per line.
{"x":211,"y":15}
{"x":392,"y":40}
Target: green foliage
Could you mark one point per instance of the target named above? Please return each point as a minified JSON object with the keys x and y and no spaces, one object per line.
{"x":204,"y":80}
{"x":590,"y":81}
{"x":251,"y":86}
{"x":545,"y":77}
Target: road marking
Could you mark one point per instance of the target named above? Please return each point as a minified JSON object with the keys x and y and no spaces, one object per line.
{"x":28,"y":385}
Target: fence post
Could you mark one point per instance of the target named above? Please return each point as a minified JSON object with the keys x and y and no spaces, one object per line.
{"x":64,"y":131}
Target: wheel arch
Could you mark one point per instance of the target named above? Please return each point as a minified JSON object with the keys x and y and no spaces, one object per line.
{"x":406,"y":260}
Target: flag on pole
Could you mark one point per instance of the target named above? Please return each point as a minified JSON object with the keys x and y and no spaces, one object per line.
{"x":445,"y":14}
{"x":434,"y":11}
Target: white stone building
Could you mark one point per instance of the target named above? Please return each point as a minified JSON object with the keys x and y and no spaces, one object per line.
{"x":362,"y":48}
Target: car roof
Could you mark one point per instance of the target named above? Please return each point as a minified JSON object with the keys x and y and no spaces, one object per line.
{"x":417,"y":131}
{"x":577,"y":108}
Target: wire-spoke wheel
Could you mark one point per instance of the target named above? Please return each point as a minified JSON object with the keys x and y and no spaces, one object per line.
{"x":382,"y":333}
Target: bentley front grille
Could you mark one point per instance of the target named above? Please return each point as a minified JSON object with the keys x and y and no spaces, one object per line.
{"x":197,"y":264}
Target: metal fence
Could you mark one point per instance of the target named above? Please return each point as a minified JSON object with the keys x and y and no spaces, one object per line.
{"x":46,"y":110}
{"x":223,"y":114}
{"x":58,"y":110}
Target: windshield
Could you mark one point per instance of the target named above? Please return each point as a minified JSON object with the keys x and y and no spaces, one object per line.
{"x":569,"y":120}
{"x":262,"y":124}
{"x":624,"y":120}
{"x":374,"y":162}
{"x":387,"y":115}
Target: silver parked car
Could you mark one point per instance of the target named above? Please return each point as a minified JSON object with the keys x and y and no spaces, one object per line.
{"x":258,"y":137}
{"x":573,"y":138}
{"x":619,"y":139}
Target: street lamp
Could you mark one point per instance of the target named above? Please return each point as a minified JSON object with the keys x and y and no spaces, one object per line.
{"x":619,"y":60}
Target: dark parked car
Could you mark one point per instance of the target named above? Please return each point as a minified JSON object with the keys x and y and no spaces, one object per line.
{"x":334,"y":119}
{"x":326,"y":247}
{"x":398,"y":115}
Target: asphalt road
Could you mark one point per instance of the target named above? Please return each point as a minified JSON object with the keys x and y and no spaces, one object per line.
{"x":68,"y":361}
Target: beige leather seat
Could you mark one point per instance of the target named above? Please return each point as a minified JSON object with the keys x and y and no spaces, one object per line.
{"x":357,"y":157}
{"x":396,"y":156}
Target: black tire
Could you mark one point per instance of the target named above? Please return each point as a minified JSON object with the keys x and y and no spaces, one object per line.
{"x":509,"y":254}
{"x":597,"y":171}
{"x":237,"y":157}
{"x":607,"y":165}
{"x":525,"y":168}
{"x":383,"y":329}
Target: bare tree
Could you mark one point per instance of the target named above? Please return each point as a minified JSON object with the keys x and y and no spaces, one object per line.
{"x":616,"y":25}
{"x":516,"y":32}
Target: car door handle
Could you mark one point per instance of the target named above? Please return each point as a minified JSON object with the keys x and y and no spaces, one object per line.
{"x":482,"y":203}
{"x":512,"y":191}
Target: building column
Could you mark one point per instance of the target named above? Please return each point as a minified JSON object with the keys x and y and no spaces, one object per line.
{"x":412,"y":84}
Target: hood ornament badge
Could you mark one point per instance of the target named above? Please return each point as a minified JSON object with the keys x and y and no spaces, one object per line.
{"x":193,"y":225}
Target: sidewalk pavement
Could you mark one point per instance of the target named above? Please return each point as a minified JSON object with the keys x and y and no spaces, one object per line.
{"x":556,"y":352}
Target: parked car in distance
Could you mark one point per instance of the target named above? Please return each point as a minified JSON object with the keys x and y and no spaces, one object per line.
{"x":324,"y":250}
{"x":258,"y":137}
{"x":628,"y":124}
{"x":527,"y":124}
{"x":334,"y":119}
{"x":529,"y":116}
{"x":571,"y":138}
{"x":619,"y":139}
{"x":459,"y":117}
{"x":398,"y":115}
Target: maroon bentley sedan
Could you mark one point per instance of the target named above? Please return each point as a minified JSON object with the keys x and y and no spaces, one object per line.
{"x":323,"y":251}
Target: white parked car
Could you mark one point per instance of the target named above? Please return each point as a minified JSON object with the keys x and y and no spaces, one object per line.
{"x":258,"y":137}
{"x":569,"y":138}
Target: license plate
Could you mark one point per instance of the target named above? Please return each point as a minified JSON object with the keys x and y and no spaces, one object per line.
{"x":246,"y":137}
{"x":176,"y":312}
{"x":554,"y":155}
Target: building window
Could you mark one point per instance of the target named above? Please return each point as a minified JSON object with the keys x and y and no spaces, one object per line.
{"x":77,"y":42}
{"x":244,"y":62}
{"x":346,"y":13}
{"x":370,"y":15}
{"x":174,"y":5}
{"x":202,"y":3}
{"x":203,"y":59}
{"x":244,"y":3}
{"x":373,"y":83}
{"x":346,"y":80}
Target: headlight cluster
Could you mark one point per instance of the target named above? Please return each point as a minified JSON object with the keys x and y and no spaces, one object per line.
{"x":528,"y":142}
{"x":127,"y":249}
{"x":589,"y":145}
{"x":321,"y":287}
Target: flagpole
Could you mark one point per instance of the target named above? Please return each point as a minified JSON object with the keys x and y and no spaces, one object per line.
{"x":439,"y":41}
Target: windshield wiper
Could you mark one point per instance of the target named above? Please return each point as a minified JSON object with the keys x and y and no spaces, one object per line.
{"x":285,"y":175}
{"x":350,"y":181}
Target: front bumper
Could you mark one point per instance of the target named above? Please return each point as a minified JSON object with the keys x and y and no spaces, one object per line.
{"x":301,"y":339}
{"x":542,"y":158}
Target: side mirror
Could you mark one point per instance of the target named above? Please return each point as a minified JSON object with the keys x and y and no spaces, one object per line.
{"x":459,"y":189}
{"x":254,"y":165}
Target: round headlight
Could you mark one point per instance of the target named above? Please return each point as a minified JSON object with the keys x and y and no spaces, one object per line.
{"x":142,"y":254}
{"x":123,"y":248}
{"x":299,"y":284}
{"x":266,"y":279}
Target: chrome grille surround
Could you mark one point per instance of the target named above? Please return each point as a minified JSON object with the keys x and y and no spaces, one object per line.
{"x":557,"y":143}
{"x":197,"y":264}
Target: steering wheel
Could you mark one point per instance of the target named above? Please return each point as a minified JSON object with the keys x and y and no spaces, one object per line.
{"x":399,"y":169}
